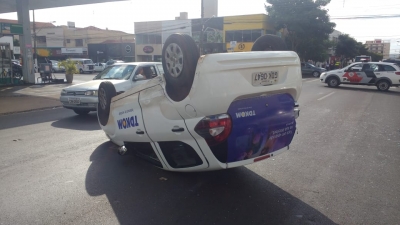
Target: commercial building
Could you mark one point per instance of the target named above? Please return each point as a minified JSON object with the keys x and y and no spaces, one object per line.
{"x":218,"y":34}
{"x":379,"y":46}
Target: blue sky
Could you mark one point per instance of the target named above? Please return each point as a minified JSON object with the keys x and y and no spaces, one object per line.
{"x":122,"y":15}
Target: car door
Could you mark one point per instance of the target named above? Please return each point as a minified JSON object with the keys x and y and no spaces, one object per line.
{"x":168,"y":131}
{"x":304,"y":69}
{"x":353,"y":74}
{"x":136,"y":79}
{"x":388,"y":71}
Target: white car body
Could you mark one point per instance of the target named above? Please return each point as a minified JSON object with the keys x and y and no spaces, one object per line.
{"x":84,"y":65}
{"x":83,"y":96}
{"x":365,"y":73}
{"x":145,"y":117}
{"x":98,"y":67}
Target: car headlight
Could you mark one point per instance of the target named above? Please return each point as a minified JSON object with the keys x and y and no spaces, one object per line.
{"x":91,"y":93}
{"x":63,"y":92}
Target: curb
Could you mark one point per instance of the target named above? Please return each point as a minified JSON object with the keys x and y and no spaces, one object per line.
{"x":31,"y":110}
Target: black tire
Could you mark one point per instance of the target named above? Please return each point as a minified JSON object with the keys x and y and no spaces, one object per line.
{"x":269,"y":42}
{"x":333,"y":82}
{"x":106,"y":93}
{"x":179,"y":60}
{"x":81,"y":111}
{"x":315,"y":74}
{"x":383,"y":85}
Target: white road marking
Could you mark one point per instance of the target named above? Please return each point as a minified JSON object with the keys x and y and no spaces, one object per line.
{"x":311,"y":80}
{"x":326,"y":96}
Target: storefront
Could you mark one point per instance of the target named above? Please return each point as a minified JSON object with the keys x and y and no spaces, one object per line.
{"x":105,"y":51}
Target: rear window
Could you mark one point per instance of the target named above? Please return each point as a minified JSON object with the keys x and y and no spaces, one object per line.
{"x":388,"y":68}
{"x":87,"y":62}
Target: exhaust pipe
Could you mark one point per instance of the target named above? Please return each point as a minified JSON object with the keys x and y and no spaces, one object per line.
{"x":122,"y":150}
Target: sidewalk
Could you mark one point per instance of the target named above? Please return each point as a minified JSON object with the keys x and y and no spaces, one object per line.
{"x":24,"y":98}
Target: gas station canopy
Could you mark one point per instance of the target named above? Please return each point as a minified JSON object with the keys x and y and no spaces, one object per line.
{"x":8,"y":6}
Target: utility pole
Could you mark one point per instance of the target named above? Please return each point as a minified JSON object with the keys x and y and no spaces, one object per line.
{"x":202,"y":29}
{"x":34,"y":41}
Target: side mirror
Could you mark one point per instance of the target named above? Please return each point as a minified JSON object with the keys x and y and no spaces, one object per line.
{"x":139,"y":77}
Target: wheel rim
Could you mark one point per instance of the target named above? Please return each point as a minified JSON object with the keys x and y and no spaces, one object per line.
{"x":102,"y":98}
{"x":383,"y":85}
{"x":315,"y":74}
{"x":174,"y":59}
{"x":333,"y":82}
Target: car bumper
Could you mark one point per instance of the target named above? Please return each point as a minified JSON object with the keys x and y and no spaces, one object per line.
{"x":86,"y":102}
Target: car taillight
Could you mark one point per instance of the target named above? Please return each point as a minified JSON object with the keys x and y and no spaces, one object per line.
{"x":214,"y":129}
{"x":397,"y":73}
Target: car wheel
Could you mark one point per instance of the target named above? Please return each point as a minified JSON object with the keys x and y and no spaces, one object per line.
{"x":81,"y":71}
{"x":333,"y":82}
{"x":179,"y":60}
{"x":81,"y":111}
{"x":106,"y":92}
{"x":315,"y":74}
{"x":269,"y":42}
{"x":383,"y":85}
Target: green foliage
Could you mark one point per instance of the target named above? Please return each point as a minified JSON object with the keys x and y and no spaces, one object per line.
{"x":69,"y":65}
{"x":307,"y":25}
{"x":347,"y":46}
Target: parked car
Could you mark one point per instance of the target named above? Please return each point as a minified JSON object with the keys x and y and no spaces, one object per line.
{"x":112,"y":62}
{"x":310,"y":69}
{"x":212,"y":112}
{"x":98,"y":67}
{"x":380,"y":74}
{"x":84,"y":65}
{"x":397,"y":61}
{"x":82,"y":98}
{"x":55,"y":68}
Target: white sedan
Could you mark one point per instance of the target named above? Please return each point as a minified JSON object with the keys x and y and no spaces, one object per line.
{"x":212,"y":112}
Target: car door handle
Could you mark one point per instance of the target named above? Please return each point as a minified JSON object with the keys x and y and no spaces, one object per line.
{"x":177,"y":129}
{"x":139,"y":132}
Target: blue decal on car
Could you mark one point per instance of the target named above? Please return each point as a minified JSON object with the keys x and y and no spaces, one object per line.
{"x":261,"y":125}
{"x":127,"y":122}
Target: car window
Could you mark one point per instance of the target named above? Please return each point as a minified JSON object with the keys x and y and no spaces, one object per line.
{"x":87,"y":62}
{"x":356,"y":67}
{"x":160,"y":68}
{"x":117,"y":72}
{"x":387,"y":68}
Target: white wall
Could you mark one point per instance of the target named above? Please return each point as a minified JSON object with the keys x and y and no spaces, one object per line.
{"x":7,"y":39}
{"x":175,"y":26}
{"x":54,"y":36}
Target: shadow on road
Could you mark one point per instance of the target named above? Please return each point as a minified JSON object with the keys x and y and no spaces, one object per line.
{"x":78,"y":122}
{"x":392,"y":91}
{"x":234,"y":196}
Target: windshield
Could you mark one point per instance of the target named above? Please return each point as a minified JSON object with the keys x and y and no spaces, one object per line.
{"x":117,"y":72}
{"x":87,"y":62}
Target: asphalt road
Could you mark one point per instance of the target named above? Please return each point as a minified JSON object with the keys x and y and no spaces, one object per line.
{"x":343,"y":168}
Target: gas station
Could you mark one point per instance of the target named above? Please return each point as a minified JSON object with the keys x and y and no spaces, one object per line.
{"x":22,"y":8}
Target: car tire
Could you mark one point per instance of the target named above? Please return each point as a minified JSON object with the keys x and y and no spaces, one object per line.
{"x":269,"y":42}
{"x":315,"y":74}
{"x":81,"y":71}
{"x":333,"y":82}
{"x":106,"y":93}
{"x":81,"y":111}
{"x":383,"y":85}
{"x":179,"y":60}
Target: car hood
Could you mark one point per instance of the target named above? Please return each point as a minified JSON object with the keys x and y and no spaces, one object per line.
{"x":334,"y":71}
{"x":120,"y":85}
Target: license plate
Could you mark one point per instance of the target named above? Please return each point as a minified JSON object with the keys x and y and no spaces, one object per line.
{"x":265,"y":78}
{"x":74,"y":100}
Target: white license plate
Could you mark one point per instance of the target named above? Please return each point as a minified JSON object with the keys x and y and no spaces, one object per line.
{"x":265,"y":78}
{"x":74,"y":100}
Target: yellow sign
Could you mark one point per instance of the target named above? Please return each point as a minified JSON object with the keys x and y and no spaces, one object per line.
{"x":241,"y":46}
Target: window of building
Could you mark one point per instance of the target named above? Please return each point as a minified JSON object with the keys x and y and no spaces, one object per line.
{"x":229,"y":36}
{"x":246,"y":36}
{"x":143,"y":39}
{"x":68,"y":41}
{"x":41,"y":39}
{"x":78,"y":42}
{"x":257,"y":33}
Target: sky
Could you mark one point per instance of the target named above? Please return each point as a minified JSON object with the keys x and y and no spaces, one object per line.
{"x":122,"y":15}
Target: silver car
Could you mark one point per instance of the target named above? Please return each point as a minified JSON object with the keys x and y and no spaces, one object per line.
{"x":82,"y":98}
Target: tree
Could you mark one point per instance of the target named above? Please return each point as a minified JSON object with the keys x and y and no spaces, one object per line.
{"x":307,"y":25}
{"x":347,"y":47}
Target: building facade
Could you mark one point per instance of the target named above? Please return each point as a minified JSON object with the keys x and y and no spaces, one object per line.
{"x":212,"y":35}
{"x":379,"y":46}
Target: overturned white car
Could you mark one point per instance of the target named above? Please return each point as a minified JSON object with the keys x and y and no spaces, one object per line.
{"x":211,"y":112}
